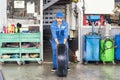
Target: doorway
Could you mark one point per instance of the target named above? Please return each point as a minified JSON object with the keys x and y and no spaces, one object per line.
{"x":48,"y":18}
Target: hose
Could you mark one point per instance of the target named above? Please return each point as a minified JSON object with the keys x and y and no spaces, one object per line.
{"x":105,"y":47}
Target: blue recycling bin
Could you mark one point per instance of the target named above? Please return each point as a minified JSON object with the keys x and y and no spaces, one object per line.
{"x":92,"y":48}
{"x":117,"y":49}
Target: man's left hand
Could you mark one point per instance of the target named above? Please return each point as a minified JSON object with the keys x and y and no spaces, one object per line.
{"x":65,"y":40}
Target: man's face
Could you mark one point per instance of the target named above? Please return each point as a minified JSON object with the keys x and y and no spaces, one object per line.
{"x":59,"y":20}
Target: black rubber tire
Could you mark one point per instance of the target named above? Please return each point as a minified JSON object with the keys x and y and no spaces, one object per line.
{"x":61,"y":61}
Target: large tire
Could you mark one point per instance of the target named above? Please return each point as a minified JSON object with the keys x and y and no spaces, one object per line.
{"x":61,"y":60}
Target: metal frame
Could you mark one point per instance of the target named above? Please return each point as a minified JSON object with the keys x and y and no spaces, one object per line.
{"x":41,"y":26}
{"x":40,"y":23}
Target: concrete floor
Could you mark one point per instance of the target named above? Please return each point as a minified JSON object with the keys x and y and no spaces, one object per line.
{"x":78,"y":71}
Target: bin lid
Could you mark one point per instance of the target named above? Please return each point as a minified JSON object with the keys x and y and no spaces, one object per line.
{"x":93,"y":18}
{"x":93,"y":36}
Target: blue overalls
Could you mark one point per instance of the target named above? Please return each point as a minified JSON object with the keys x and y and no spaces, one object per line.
{"x":60,"y":34}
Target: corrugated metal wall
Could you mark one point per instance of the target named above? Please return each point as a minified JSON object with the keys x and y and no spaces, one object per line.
{"x":49,"y":14}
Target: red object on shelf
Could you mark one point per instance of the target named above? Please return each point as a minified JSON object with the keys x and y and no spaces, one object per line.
{"x":13,"y":28}
{"x":86,"y":22}
{"x":5,"y":30}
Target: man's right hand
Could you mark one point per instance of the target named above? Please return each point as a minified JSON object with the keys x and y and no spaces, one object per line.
{"x":56,"y":40}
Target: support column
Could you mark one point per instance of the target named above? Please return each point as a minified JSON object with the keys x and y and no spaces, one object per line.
{"x":3,"y":14}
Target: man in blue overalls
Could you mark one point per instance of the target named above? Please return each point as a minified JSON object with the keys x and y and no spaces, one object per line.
{"x":59,"y":30}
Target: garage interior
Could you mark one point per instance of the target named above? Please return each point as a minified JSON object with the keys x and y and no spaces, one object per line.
{"x":78,"y":27}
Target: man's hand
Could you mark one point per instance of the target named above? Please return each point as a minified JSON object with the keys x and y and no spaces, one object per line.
{"x":65,"y":40}
{"x":56,"y":40}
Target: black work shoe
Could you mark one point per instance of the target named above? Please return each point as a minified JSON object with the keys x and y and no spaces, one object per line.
{"x":68,"y":69}
{"x":53,"y":70}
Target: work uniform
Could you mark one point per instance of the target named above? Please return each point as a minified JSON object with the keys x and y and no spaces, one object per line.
{"x":60,"y":33}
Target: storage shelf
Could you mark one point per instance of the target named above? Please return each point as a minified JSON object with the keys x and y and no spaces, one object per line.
{"x":20,"y":38}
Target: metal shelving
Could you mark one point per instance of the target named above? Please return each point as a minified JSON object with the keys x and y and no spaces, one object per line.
{"x":16,"y":53}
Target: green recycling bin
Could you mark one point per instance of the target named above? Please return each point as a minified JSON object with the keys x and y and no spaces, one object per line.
{"x":107,"y":50}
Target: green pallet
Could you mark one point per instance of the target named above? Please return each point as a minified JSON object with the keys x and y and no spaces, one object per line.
{"x":10,"y":59}
{"x":7,"y":36}
{"x":31,"y":59}
{"x":30,"y":40}
{"x":30,"y":35}
{"x":10,"y":40}
{"x":10,"y":37}
{"x":30,"y":50}
{"x":10,"y":50}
